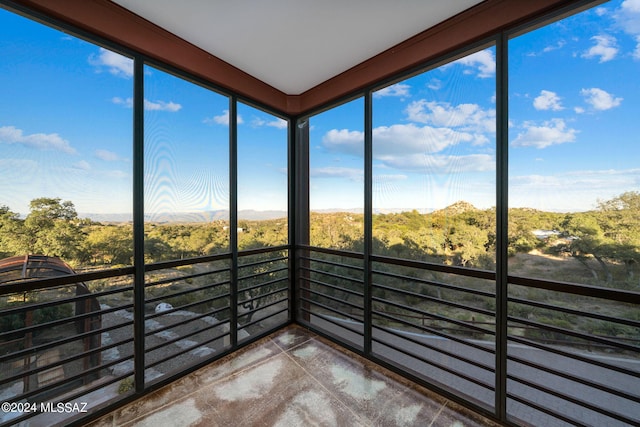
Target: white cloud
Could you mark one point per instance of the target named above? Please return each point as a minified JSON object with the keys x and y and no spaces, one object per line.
{"x":40,"y":141}
{"x":128,"y":103}
{"x":628,"y":18}
{"x":601,"y":11}
{"x":547,"y":101}
{"x":434,"y":84}
{"x":551,"y":132}
{"x":556,"y":46}
{"x":149,"y":105}
{"x":411,"y":147}
{"x":107,"y":155}
{"x":441,"y":164}
{"x":161,"y":106}
{"x":600,"y":99}
{"x":222,"y":119}
{"x":605,"y":48}
{"x":82,"y":165}
{"x":115,"y":63}
{"x":483,"y":61}
{"x":277,"y":123}
{"x":469,"y":117}
{"x":570,"y":191}
{"x":337,"y":172}
{"x":578,"y":110}
{"x":398,"y":89}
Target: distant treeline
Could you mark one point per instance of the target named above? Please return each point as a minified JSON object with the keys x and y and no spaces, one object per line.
{"x":605,"y":240}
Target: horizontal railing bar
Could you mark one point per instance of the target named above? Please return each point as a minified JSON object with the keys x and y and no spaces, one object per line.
{"x":329,"y":285}
{"x":263,"y":261}
{"x":186,"y":261}
{"x":181,"y":337}
{"x":333,"y":275}
{"x":577,"y":289}
{"x":338,"y":252}
{"x":253,"y":322}
{"x":327,"y":319}
{"x":358,"y":268}
{"x":183,"y":307}
{"x":37,"y":327}
{"x":183,"y":351}
{"x":36,"y":305}
{"x":580,"y":313}
{"x":545,"y":410}
{"x":575,"y":334}
{"x":434,"y":348}
{"x":185,"y":321}
{"x":435,"y":316}
{"x":263,"y":284}
{"x":69,"y":359}
{"x":423,"y":265}
{"x":338,"y":300}
{"x":436,"y":300}
{"x":268,"y":294}
{"x":52,"y":344}
{"x":70,"y":379}
{"x":434,"y":332}
{"x":249,"y":252}
{"x":437,"y":284}
{"x":574,"y":356}
{"x":103,"y":382}
{"x":262,"y":307}
{"x":263,"y":273}
{"x":331,"y":309}
{"x":188,"y":291}
{"x":572,"y":399}
{"x":436,"y":365}
{"x":30,"y":285}
{"x":150,"y":284}
{"x":574,"y":378}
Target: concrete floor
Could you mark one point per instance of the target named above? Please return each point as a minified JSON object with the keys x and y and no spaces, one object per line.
{"x":292,"y":378}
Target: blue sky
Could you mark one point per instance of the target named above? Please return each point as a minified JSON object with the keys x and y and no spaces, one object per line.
{"x":574,"y":93}
{"x":574,"y":99}
{"x":66,"y":131}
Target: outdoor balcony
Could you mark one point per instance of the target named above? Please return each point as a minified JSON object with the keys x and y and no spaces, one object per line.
{"x":281,"y":218}
{"x":293,"y":377}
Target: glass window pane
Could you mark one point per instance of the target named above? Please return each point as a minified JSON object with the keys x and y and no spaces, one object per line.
{"x":65,"y":147}
{"x":336,"y":183}
{"x":186,"y":168}
{"x":434,"y":150}
{"x":574,"y":216}
{"x":65,"y":207}
{"x":262,"y":179}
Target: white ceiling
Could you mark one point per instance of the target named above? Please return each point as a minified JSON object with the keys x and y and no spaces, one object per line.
{"x":294,"y":45}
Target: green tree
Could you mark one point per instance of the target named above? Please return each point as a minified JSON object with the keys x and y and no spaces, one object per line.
{"x":52,"y":228}
{"x":11,"y":233}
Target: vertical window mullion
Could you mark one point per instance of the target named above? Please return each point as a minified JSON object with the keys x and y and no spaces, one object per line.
{"x":502,"y":209}
{"x":138,"y":223}
{"x":233,"y":216}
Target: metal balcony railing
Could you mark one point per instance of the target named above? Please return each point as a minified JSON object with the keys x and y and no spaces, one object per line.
{"x":59,"y":347}
{"x":572,"y":352}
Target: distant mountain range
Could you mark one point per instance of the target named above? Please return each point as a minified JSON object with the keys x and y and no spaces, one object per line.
{"x":254,"y":215}
{"x":206,"y":216}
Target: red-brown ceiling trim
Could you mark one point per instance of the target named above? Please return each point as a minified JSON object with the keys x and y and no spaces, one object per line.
{"x":473,"y":25}
{"x":112,"y":22}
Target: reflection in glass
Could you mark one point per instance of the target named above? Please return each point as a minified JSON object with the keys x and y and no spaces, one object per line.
{"x":434,"y":164}
{"x":262,"y":179}
{"x":186,"y":168}
{"x":336,"y":168}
